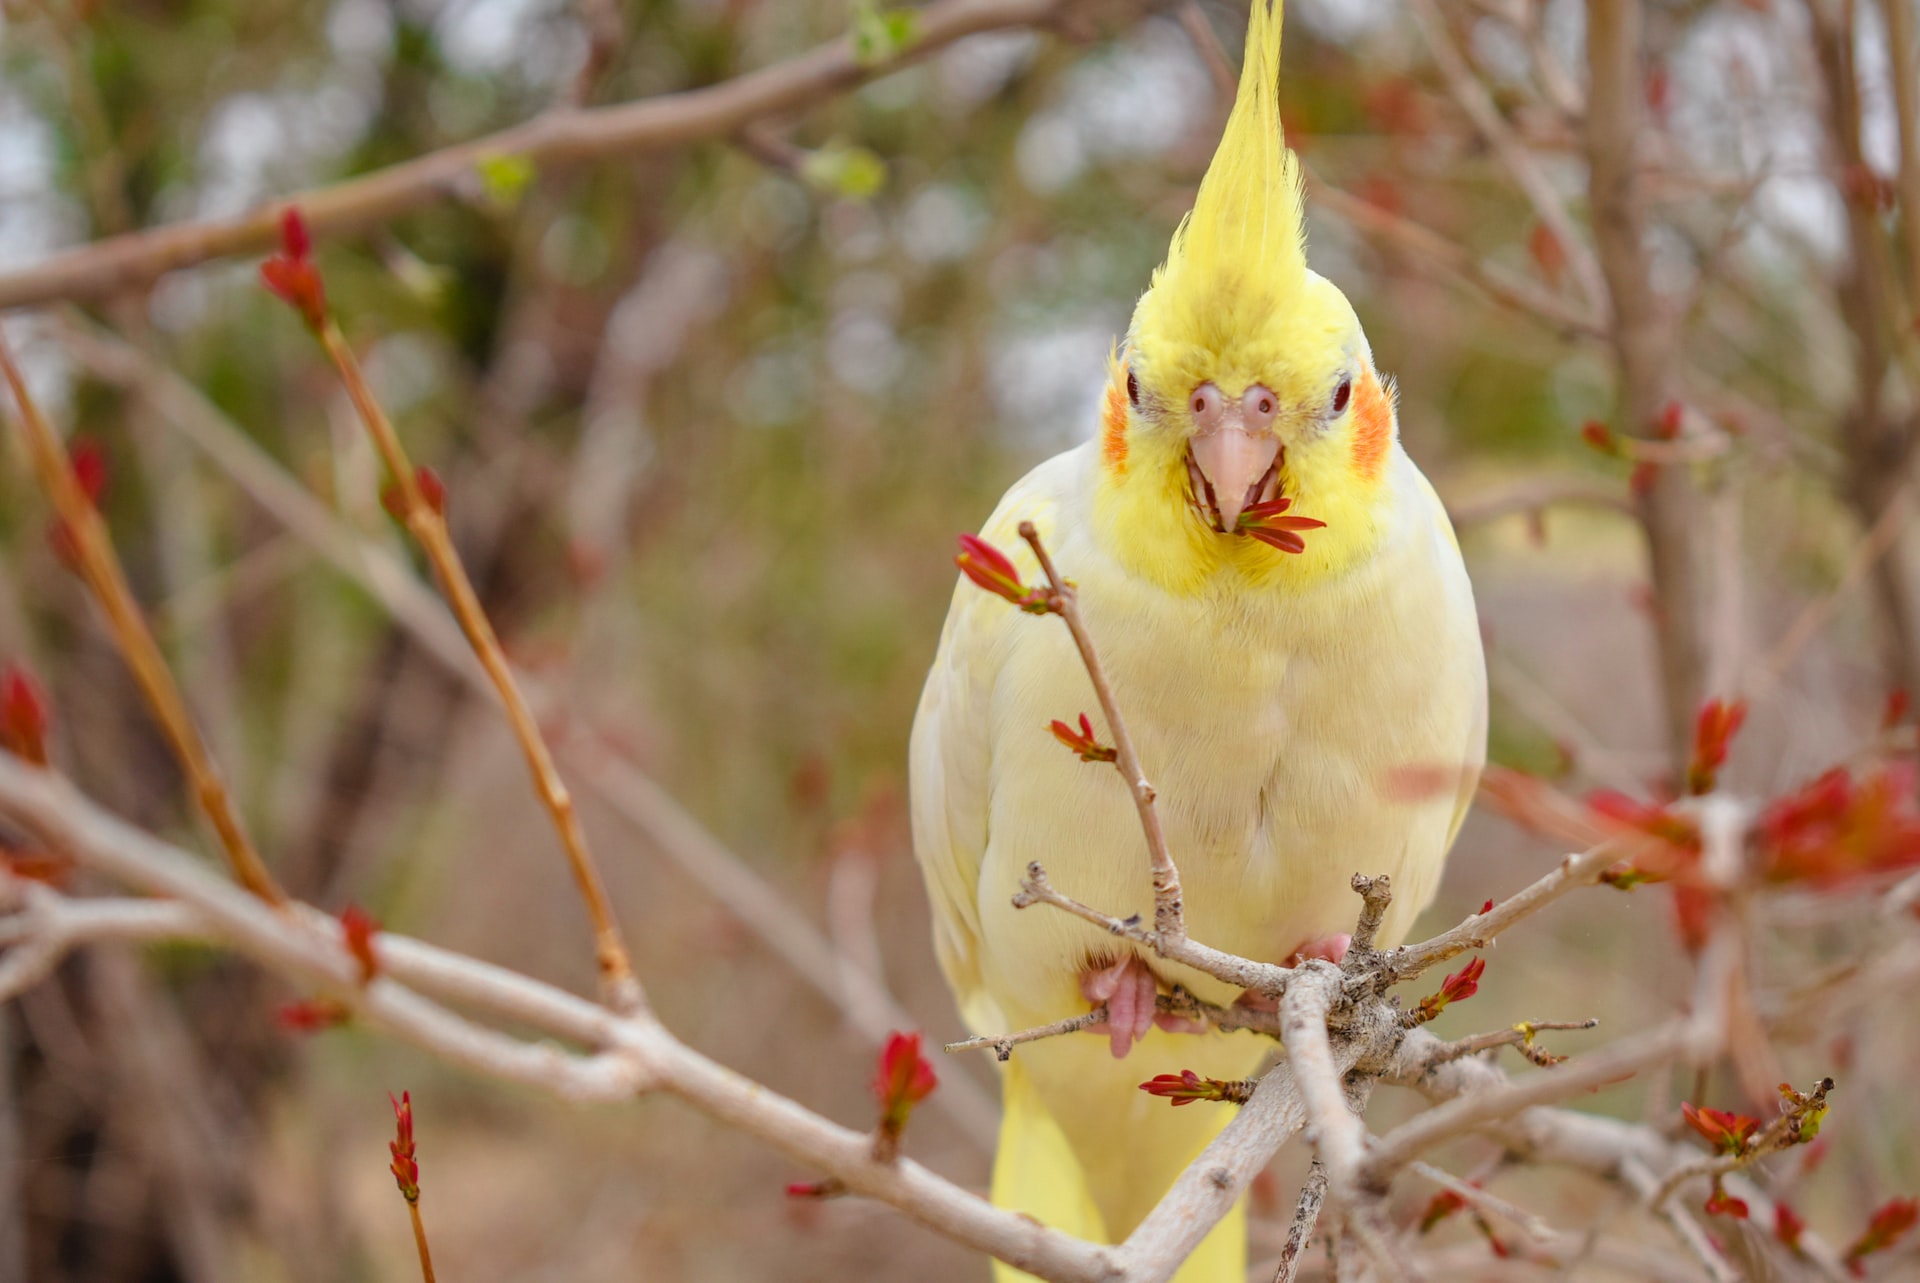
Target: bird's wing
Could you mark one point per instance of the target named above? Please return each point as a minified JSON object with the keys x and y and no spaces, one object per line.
{"x":951,"y":753}
{"x":1475,"y":756}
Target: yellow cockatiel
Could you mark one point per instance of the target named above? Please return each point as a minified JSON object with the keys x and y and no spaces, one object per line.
{"x":1294,"y":709}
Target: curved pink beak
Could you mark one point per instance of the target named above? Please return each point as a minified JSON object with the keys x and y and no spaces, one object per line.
{"x":1235,"y":466}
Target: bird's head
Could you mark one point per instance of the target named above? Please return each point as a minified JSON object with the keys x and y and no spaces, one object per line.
{"x":1246,"y":377}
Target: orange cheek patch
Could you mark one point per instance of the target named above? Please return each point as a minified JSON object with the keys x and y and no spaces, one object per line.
{"x":1113,"y":423}
{"x":1372,"y":426}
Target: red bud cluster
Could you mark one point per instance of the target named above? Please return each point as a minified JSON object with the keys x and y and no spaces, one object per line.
{"x":432,"y":489}
{"x":902,"y":1080}
{"x":1186,"y":1087}
{"x":1548,"y":253}
{"x":405,"y":1167}
{"x":1458,"y":987}
{"x":1730,"y":1134}
{"x":1265,"y":522}
{"x":1713,"y":730}
{"x":1721,"y":1203}
{"x":291,"y":274}
{"x":1082,"y":741}
{"x":1787,"y":1225}
{"x":1449,"y":1201}
{"x":1440,"y":1207}
{"x":24,"y":719}
{"x":991,"y":569}
{"x":1888,"y":1225}
{"x":36,"y":865}
{"x":357,"y":928}
{"x":312,"y":1016}
{"x":89,"y":464}
{"x":829,"y":1188}
{"x":1838,"y":827}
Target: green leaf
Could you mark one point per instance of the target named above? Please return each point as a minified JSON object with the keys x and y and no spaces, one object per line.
{"x":842,"y":170}
{"x":505,"y":177}
{"x":880,"y":35}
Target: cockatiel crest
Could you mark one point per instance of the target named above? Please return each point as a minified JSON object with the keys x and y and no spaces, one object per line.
{"x":1227,"y":305}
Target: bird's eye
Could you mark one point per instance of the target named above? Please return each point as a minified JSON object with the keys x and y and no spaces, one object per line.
{"x":1341,"y":395}
{"x":1133,"y":388}
{"x":1206,"y":404}
{"x":1258,"y":407}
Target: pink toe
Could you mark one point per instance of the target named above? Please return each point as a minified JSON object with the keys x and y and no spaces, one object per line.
{"x":1145,"y":991}
{"x":1328,"y":948}
{"x":1120,"y":1021}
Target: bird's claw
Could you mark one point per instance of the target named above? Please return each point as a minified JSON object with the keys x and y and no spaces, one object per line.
{"x":1129,"y":989}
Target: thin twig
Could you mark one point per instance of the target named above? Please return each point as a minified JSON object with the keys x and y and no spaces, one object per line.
{"x":1535,"y":496}
{"x":1262,"y":977}
{"x":1478,"y":104}
{"x":1480,"y":929}
{"x":1520,"y":1035}
{"x":85,"y":533}
{"x":1003,"y":1044}
{"x":1169,"y":913}
{"x":1226,"y":81}
{"x":1306,"y":1214}
{"x":1684,"y":1227}
{"x":420,"y":1240}
{"x":1434,"y":254}
{"x":428,"y":524}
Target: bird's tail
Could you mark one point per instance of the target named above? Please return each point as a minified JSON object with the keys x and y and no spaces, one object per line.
{"x":1037,"y":1171}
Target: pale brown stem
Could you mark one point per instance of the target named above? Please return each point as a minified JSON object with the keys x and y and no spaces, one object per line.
{"x":420,"y":1240}
{"x":1520,"y":1035}
{"x":1536,"y":496}
{"x":1906,"y":101}
{"x":1643,"y":349}
{"x":1306,"y":1214}
{"x":1684,"y":1227}
{"x":1876,"y":435}
{"x":1169,"y":912}
{"x":100,"y":567}
{"x":1226,"y":81}
{"x":1003,"y":1044}
{"x":428,"y":526}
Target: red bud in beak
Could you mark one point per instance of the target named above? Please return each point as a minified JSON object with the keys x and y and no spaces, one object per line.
{"x":1234,"y":463}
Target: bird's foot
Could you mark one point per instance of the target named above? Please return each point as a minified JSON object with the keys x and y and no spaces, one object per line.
{"x":1129,"y":988}
{"x":1330,"y":948}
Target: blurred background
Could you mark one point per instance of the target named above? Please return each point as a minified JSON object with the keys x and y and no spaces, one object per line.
{"x":709,"y":420}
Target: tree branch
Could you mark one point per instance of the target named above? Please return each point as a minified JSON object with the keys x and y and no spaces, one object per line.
{"x":562,"y":136}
